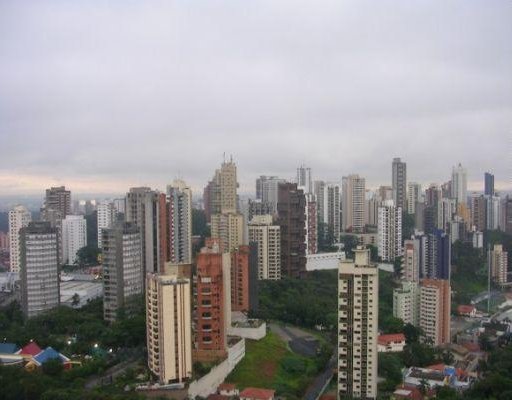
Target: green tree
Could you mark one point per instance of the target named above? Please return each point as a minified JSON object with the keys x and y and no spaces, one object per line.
{"x":53,"y":367}
{"x":88,"y":255}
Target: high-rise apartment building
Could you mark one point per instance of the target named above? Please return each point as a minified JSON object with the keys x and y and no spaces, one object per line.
{"x":259,"y":207}
{"x":106,"y":217}
{"x":147,"y":210}
{"x":446,"y":211}
{"x":333,"y":212}
{"x":179,"y":198}
{"x":74,"y":237}
{"x":122,"y":267}
{"x":213,"y":302}
{"x":229,"y":229}
{"x":499,"y":265}
{"x":406,"y":302}
{"x":244,"y":278}
{"x":19,"y":217}
{"x":435,"y":310}
{"x":411,"y":260}
{"x":304,"y":181}
{"x":353,"y":203}
{"x":488,"y":184}
{"x":358,"y":305}
{"x":413,"y":196}
{"x":292,"y":221}
{"x":459,"y":184}
{"x":267,"y":190}
{"x":169,"y":327}
{"x":507,"y":215}
{"x":385,"y":193}
{"x":319,"y":188}
{"x":268,"y":239}
{"x":399,"y":183}
{"x":39,"y":268}
{"x":435,"y":255}
{"x":311,"y":224}
{"x":58,"y":198}
{"x":492,"y":212}
{"x":478,"y":210}
{"x":389,"y":230}
{"x":226,"y":179}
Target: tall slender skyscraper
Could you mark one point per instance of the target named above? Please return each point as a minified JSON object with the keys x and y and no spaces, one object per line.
{"x":353,"y":203}
{"x":304,"y":181}
{"x":179,"y":198}
{"x":413,"y":196}
{"x":489,"y":184}
{"x":358,"y":315}
{"x":389,"y":231}
{"x":268,"y":239}
{"x":19,"y":217}
{"x":459,"y":184}
{"x":399,"y":183}
{"x":39,"y":268}
{"x":292,"y":221}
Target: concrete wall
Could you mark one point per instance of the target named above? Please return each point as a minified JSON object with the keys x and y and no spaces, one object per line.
{"x":208,"y":384}
{"x":249,"y":333}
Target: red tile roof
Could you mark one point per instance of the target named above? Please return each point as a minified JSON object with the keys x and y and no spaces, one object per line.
{"x":257,"y":394}
{"x":465,"y":309}
{"x":391,"y":338}
{"x":31,"y":349}
{"x":226,"y":386}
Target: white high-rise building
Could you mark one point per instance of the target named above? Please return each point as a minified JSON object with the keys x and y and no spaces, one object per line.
{"x":179,"y":197}
{"x":389,"y":231}
{"x":268,"y":190}
{"x":353,"y":203}
{"x":19,"y":217}
{"x":106,"y":217}
{"x":304,"y":181}
{"x":268,"y":238}
{"x":358,"y":315}
{"x":74,"y":237}
{"x":406,"y":302}
{"x":39,"y":272}
{"x":169,"y":327}
{"x":413,"y":196}
{"x":459,"y":184}
{"x":446,"y":210}
{"x":493,"y":214}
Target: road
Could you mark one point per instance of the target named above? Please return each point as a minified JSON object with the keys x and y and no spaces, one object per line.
{"x":322,"y":380}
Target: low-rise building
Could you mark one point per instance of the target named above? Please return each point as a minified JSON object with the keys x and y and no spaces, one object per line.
{"x":466,"y":310}
{"x":391,"y":343}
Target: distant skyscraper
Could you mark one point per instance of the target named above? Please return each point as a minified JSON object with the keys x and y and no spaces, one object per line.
{"x":413,"y":196}
{"x":499,"y":264}
{"x":122,"y":267}
{"x":319,"y":188}
{"x":226,"y":177}
{"x":179,"y":197}
{"x":489,"y":184}
{"x":304,"y":181}
{"x":333,"y":211}
{"x":268,"y":239}
{"x":411,"y":260}
{"x":507,"y":215}
{"x":358,"y":306}
{"x":213,"y":302}
{"x":39,"y":268}
{"x":478,"y":210}
{"x":259,"y":207}
{"x":459,"y":184}
{"x":58,"y":198}
{"x":106,"y":217}
{"x":399,"y":183}
{"x":74,"y":237}
{"x":311,"y":224}
{"x":389,"y":231}
{"x":292,"y":220}
{"x":353,"y":203}
{"x":446,"y":211}
{"x":492,"y":212}
{"x":267,"y":189}
{"x":435,"y":255}
{"x":169,"y":327}
{"x":19,"y":217}
{"x":229,"y":229}
{"x":435,"y":310}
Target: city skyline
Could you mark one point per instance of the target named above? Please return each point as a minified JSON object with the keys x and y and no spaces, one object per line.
{"x":344,"y":89}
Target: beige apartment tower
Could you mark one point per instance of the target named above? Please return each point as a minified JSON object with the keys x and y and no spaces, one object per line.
{"x":499,"y":264}
{"x":435,"y":309}
{"x":358,"y":301}
{"x":19,"y":217}
{"x":268,"y":239}
{"x":169,"y":327}
{"x":353,"y":203}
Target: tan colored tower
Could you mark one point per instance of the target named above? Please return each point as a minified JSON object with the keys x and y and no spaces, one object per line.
{"x":499,"y":264}
{"x":229,"y":229}
{"x":435,"y":309}
{"x":228,"y":186}
{"x":358,"y":316}
{"x":169,"y":327}
{"x":353,"y":203}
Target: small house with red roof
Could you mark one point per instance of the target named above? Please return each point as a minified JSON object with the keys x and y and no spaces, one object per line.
{"x":465,"y":310}
{"x":257,"y":394}
{"x":227,"y":389}
{"x":391,"y":343}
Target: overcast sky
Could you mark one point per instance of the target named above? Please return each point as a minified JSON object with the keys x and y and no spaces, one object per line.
{"x":101,"y":96}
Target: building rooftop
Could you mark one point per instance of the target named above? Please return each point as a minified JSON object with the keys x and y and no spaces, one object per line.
{"x":8,"y":348}
{"x":391,"y":338}
{"x":257,"y":393}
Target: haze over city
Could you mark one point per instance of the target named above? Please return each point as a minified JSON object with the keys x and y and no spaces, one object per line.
{"x":105,"y":96}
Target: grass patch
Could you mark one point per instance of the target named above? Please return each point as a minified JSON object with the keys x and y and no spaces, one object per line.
{"x":268,"y":363}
